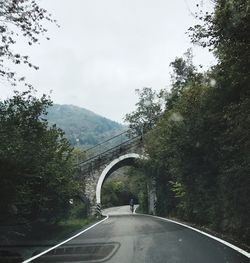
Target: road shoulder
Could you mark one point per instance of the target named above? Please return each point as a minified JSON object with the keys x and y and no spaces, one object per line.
{"x":203,"y":232}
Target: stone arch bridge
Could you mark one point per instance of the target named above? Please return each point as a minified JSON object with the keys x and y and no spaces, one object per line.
{"x":107,"y":157}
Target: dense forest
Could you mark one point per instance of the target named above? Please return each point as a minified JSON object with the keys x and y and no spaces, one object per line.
{"x":198,"y":143}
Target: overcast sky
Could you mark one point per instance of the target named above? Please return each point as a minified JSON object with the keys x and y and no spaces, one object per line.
{"x":105,"y":49}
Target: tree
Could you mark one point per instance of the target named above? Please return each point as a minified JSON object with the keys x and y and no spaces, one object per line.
{"x":19,"y":19}
{"x":177,"y":156}
{"x":37,"y":179}
{"x":226,"y":32}
{"x":234,"y":181}
{"x":199,"y":149}
{"x":147,"y":112}
{"x":120,"y":189}
{"x":184,"y":73}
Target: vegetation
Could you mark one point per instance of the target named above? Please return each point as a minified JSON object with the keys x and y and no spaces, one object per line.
{"x":199,"y":148}
{"x":19,"y":20}
{"x":37,"y":178}
{"x":198,"y":142}
{"x":39,"y":193}
{"x":147,"y":113}
{"x":119,"y":189}
{"x":82,"y":128}
{"x":47,"y":233}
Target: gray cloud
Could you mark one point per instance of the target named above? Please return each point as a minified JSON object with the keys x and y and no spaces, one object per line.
{"x":105,"y":49}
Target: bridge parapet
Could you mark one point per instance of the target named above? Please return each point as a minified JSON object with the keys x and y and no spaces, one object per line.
{"x":98,"y":160}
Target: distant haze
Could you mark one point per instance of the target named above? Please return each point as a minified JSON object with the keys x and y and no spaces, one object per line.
{"x":105,"y":49}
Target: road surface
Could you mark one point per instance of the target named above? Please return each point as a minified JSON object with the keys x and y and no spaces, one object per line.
{"x":138,"y":238}
{"x":118,"y":210}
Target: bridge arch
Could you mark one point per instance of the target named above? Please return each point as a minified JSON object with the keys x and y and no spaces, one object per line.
{"x":125,"y":159}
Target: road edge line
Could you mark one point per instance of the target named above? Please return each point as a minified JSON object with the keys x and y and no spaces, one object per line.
{"x":63,"y":242}
{"x":240,"y":250}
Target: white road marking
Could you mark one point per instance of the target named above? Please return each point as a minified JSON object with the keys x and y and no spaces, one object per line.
{"x":65,"y":241}
{"x":245,"y":253}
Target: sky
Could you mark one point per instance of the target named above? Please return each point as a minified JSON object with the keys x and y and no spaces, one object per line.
{"x":105,"y":49}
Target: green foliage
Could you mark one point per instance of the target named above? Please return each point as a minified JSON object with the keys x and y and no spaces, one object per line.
{"x":35,"y":162}
{"x":78,"y":155}
{"x":116,"y":192}
{"x":82,"y":128}
{"x":78,"y":209}
{"x":147,"y":112}
{"x":234,"y":169}
{"x":119,"y":190}
{"x":47,"y":234}
{"x":226,"y":32}
{"x":19,"y":18}
{"x":184,"y":73}
{"x":199,"y":148}
{"x":138,"y":183}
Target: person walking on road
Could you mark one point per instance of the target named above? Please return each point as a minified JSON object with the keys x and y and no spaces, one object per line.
{"x":131,"y":203}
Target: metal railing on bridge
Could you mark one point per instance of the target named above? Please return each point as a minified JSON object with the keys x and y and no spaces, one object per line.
{"x":105,"y":151}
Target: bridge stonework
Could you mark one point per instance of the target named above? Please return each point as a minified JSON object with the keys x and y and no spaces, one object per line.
{"x":95,"y":170}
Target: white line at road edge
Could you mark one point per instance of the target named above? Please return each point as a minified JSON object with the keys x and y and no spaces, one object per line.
{"x":48,"y":250}
{"x":245,"y":253}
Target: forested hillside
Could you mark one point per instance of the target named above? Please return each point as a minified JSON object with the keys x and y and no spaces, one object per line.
{"x":82,"y":127}
{"x":199,"y":144}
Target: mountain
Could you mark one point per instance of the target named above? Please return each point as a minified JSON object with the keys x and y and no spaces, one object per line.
{"x":82,"y":127}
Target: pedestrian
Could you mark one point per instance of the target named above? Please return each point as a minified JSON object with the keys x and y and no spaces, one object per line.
{"x":131,"y":203}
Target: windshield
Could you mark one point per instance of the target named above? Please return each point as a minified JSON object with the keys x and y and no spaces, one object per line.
{"x":124,"y":131}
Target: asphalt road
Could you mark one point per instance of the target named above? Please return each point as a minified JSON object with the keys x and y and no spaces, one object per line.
{"x":118,"y":210}
{"x":137,"y":238}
